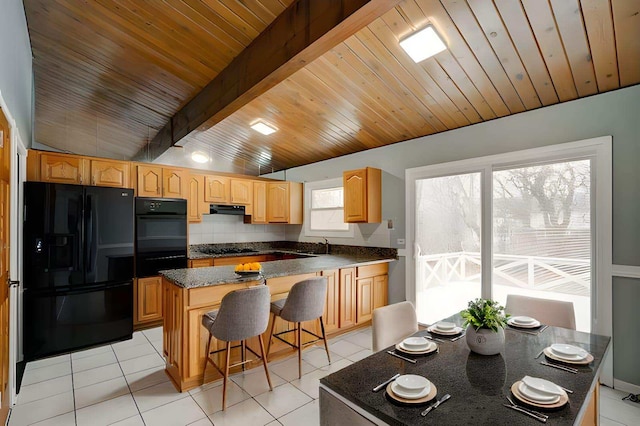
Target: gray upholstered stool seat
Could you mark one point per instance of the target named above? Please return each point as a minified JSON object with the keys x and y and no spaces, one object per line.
{"x":208,"y":319}
{"x":276,"y":307}
{"x":243,"y":314}
{"x":305,"y":302}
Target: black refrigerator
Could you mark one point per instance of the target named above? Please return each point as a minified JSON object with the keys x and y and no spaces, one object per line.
{"x":78,"y":267}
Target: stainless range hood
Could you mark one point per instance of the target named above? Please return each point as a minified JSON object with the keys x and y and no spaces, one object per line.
{"x":224,"y":209}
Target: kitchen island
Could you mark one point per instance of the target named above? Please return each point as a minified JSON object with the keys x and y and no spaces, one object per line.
{"x":357,"y":284}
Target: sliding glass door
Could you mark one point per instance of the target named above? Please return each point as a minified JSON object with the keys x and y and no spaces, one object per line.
{"x":542,"y":234}
{"x":518,"y":223}
{"x":447,"y":240}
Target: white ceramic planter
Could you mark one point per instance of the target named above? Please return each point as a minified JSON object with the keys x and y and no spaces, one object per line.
{"x":485,"y":341}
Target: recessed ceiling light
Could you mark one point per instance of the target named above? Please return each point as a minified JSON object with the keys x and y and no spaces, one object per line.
{"x":262,"y":127}
{"x":423,"y":44}
{"x":199,"y":157}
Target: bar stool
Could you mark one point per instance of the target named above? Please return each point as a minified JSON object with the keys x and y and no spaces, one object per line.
{"x":243,"y":314}
{"x":305,"y":303}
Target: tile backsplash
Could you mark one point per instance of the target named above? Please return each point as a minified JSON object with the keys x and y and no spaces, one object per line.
{"x":216,"y":228}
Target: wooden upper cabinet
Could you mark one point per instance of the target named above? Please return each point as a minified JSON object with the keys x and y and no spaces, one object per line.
{"x":196,"y":206}
{"x":61,"y":168}
{"x":217,"y":189}
{"x":241,"y":191}
{"x":174,"y":183}
{"x":110,"y":173}
{"x":363,"y":195}
{"x":149,"y":181}
{"x":284,"y":202}
{"x":259,"y":203}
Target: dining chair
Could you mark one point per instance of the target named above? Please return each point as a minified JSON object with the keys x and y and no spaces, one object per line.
{"x":392,"y":323}
{"x":556,"y":313}
{"x":243,"y":314}
{"x":305,"y":302}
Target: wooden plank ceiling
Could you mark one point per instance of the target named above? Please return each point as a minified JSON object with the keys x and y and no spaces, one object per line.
{"x":110,"y":73}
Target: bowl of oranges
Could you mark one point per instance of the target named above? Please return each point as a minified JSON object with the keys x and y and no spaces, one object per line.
{"x":251,"y":268}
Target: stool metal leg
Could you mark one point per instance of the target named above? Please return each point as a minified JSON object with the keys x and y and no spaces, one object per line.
{"x":324,"y":337}
{"x":243,"y":349}
{"x":206,"y":357}
{"x":264,"y":361}
{"x":299,"y":339}
{"x":226,"y":376}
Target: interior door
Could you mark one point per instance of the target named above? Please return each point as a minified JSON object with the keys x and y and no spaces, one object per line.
{"x":5,"y":178}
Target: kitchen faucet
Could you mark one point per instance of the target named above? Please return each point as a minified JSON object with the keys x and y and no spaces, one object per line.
{"x":326,"y":245}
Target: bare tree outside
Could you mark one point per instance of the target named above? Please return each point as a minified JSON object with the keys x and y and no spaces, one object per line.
{"x":541,"y":233}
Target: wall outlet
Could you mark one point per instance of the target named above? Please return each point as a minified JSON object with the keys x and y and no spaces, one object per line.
{"x":400,"y":241}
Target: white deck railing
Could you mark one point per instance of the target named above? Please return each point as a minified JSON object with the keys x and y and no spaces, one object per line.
{"x":559,"y":274}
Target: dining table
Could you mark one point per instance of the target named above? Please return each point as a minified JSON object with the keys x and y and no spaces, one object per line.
{"x":478,"y":385}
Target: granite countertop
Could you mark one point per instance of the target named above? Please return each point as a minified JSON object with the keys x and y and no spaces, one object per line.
{"x":204,"y":251}
{"x":216,"y":275}
{"x":478,"y":384}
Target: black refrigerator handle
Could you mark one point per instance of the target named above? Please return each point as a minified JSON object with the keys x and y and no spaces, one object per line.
{"x":88,"y":234}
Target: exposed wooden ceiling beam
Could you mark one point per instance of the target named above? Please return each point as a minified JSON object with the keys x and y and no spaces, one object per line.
{"x":302,"y":33}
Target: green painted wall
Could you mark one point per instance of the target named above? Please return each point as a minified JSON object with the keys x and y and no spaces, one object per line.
{"x":626,"y":330}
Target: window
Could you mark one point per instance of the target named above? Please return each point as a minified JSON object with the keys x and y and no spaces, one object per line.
{"x":325,"y":210}
{"x":533,"y":222}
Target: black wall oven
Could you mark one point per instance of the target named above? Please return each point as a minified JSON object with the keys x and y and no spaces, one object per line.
{"x":161,"y":235}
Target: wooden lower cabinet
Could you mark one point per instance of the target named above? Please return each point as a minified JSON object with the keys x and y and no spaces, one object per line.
{"x":184,"y":337}
{"x":347,"y":287}
{"x":371,"y":290}
{"x":148,"y":300}
{"x":592,"y":413}
{"x":201,"y":263}
{"x":331,"y":315}
{"x":364,"y":297}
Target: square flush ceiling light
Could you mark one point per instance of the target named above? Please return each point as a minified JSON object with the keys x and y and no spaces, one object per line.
{"x":423,"y":44}
{"x":263,"y":128}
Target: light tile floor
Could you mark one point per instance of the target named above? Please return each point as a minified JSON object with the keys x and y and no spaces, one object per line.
{"x":124,"y":384}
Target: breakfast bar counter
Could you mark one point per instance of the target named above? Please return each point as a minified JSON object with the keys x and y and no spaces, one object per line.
{"x":216,"y":275}
{"x":357,"y":284}
{"x":478,"y":384}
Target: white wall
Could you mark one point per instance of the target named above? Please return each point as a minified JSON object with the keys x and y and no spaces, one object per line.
{"x":16,"y":77}
{"x":218,"y":228}
{"x":614,"y":113}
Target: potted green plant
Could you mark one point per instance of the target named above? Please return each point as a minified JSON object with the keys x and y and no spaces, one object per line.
{"x":485,"y":320}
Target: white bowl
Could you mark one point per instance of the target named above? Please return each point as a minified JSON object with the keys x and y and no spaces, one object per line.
{"x":412,"y":383}
{"x":542,"y":385}
{"x":523,"y":320}
{"x":415,"y":342}
{"x":445,"y":326}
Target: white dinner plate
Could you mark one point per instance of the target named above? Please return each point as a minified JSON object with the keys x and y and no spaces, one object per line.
{"x":415,"y":343}
{"x":536,"y":396}
{"x":435,"y":329}
{"x":395,"y":388}
{"x":515,"y":323}
{"x":429,"y":346}
{"x":568,"y":351}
